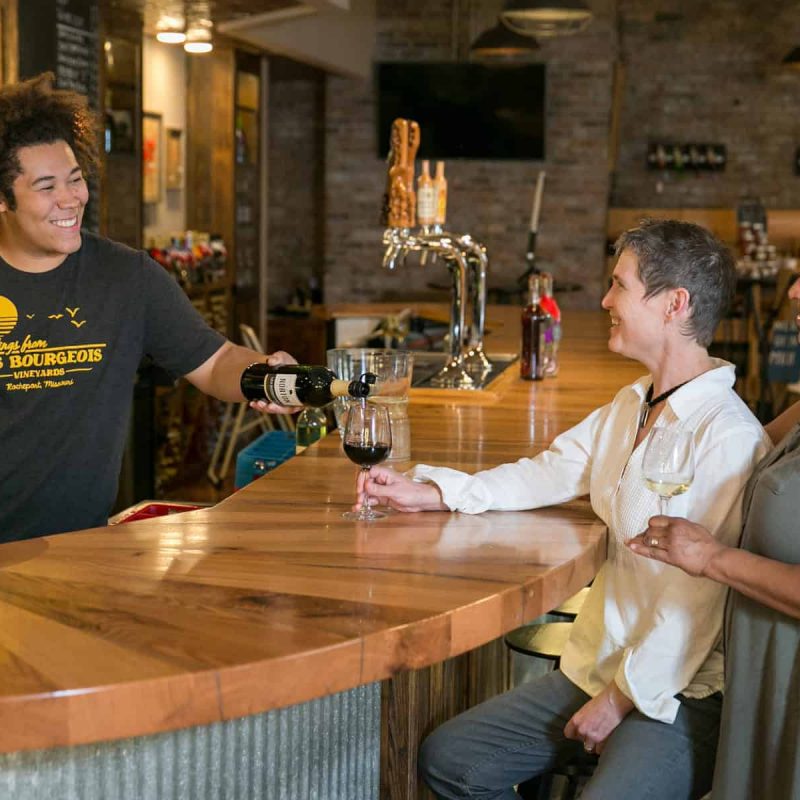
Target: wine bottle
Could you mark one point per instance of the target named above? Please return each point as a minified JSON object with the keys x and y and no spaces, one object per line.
{"x":312,"y":425}
{"x":535,"y":322}
{"x":299,"y":384}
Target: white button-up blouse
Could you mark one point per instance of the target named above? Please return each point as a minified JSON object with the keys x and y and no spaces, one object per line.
{"x":648,"y":626}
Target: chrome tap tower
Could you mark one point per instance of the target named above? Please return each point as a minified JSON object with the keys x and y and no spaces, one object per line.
{"x":465,"y":258}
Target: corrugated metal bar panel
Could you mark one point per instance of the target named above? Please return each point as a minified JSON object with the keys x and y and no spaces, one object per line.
{"x":326,"y":749}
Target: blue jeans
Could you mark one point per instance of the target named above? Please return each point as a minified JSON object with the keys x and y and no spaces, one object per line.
{"x":486,"y":751}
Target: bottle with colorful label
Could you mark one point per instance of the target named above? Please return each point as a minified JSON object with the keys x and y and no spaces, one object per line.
{"x":426,"y":196}
{"x":553,"y":333}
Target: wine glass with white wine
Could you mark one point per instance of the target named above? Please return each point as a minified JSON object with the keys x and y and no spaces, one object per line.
{"x":668,"y":464}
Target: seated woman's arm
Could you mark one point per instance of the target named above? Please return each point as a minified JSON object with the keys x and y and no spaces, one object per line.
{"x":555,"y":475}
{"x":691,"y":547}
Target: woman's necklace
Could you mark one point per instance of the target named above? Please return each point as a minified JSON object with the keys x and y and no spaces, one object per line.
{"x":650,"y":401}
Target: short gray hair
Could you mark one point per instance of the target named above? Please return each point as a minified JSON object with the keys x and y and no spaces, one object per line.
{"x":673,"y":255}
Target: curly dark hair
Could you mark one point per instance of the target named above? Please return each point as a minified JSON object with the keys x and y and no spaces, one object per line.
{"x":34,"y":112}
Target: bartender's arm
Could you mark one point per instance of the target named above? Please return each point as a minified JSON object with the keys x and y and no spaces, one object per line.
{"x":219,"y":375}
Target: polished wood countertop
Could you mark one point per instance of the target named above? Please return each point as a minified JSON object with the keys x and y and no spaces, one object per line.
{"x":271,"y":598}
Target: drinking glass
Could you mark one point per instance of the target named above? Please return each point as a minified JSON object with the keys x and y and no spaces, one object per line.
{"x":668,"y":465}
{"x":367,"y":441}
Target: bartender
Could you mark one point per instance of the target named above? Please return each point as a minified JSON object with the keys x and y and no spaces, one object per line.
{"x":78,"y":313}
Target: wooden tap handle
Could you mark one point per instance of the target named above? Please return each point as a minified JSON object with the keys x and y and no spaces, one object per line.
{"x":411,"y":161}
{"x":398,"y":194}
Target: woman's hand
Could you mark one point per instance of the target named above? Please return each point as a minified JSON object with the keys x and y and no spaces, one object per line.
{"x":678,"y":542}
{"x":384,"y":486}
{"x":595,"y":721}
{"x":276,"y":359}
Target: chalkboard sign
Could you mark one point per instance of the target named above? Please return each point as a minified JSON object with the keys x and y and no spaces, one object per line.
{"x":61,"y":37}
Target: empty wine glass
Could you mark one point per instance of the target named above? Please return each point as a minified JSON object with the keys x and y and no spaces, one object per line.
{"x":367,"y":441}
{"x":668,"y":465}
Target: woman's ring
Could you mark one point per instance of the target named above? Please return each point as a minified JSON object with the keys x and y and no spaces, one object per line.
{"x":653,"y":541}
{"x":588,"y":746}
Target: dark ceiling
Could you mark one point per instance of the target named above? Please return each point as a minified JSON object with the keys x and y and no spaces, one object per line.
{"x":217,"y":11}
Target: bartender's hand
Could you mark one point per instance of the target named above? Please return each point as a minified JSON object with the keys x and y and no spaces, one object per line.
{"x":384,"y":486}
{"x":276,"y":359}
{"x":595,"y":721}
{"x":677,"y":541}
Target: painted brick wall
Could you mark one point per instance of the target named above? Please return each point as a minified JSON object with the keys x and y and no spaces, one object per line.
{"x":694,"y":71}
{"x":710,"y":72}
{"x":490,"y":200}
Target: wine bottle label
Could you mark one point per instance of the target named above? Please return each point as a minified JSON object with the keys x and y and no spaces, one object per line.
{"x":280,"y":389}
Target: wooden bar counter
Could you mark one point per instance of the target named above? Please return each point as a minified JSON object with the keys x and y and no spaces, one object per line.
{"x":234,"y":615}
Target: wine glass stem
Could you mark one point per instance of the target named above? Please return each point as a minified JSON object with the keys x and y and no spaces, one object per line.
{"x":362,"y":497}
{"x":664,"y":502}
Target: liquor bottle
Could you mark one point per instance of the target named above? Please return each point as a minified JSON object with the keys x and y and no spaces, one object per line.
{"x":312,"y":425}
{"x":552,"y":337}
{"x":300,"y":385}
{"x":426,"y":196}
{"x":535,"y":323}
{"x":440,"y":185}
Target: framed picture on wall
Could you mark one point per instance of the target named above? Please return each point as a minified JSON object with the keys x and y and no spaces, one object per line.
{"x":174,"y":178}
{"x":151,"y":157}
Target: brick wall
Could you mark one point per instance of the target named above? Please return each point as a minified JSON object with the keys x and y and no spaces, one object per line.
{"x":707,"y":72}
{"x":710,"y":72}
{"x":296,"y":147}
{"x":490,"y":199}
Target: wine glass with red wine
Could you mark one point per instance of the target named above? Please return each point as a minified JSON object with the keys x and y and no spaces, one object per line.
{"x":367,"y":441}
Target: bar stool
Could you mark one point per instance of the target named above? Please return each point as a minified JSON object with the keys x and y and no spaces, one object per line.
{"x":234,"y":426}
{"x":571,"y":606}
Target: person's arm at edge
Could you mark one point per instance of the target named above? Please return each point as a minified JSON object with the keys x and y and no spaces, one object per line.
{"x":783,"y":423}
{"x":691,"y":548}
{"x":220,"y":375}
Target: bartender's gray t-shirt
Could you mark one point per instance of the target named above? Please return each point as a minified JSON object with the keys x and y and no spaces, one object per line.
{"x":71,"y":341}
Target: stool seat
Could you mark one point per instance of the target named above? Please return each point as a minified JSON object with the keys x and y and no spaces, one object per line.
{"x":543,"y":640}
{"x":571,"y":606}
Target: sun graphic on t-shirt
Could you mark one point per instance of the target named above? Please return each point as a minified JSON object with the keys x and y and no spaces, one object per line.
{"x":8,"y":316}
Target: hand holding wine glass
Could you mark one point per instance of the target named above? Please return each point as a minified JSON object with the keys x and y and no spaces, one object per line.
{"x":668,"y":464}
{"x":367,"y":441}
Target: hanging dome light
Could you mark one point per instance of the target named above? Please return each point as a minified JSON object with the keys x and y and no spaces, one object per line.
{"x":169,"y":30}
{"x":501,"y":42}
{"x":542,"y":18}
{"x":198,"y":38}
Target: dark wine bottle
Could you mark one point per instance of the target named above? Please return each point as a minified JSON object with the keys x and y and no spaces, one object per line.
{"x":535,"y":324}
{"x":299,"y":385}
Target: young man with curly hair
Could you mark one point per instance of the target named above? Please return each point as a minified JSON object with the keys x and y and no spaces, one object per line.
{"x":77,"y":315}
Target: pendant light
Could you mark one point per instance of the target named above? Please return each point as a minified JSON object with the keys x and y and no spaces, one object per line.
{"x":546,"y":17}
{"x":501,"y":42}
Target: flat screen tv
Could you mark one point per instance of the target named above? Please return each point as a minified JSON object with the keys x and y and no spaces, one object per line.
{"x":465,"y":110}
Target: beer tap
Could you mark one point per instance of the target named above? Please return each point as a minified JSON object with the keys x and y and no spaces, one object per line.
{"x":465,"y":258}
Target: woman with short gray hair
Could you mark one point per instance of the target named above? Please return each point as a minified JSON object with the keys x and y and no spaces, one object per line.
{"x":640,"y":678}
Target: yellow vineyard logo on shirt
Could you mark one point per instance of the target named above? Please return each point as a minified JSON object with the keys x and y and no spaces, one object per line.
{"x":33,"y":364}
{"x":8,"y":316}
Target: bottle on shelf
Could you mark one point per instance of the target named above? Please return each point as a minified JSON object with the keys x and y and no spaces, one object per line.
{"x":535,"y":324}
{"x":300,"y":384}
{"x":440,"y":187}
{"x":426,"y":196}
{"x":552,"y":337}
{"x":312,"y":425}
